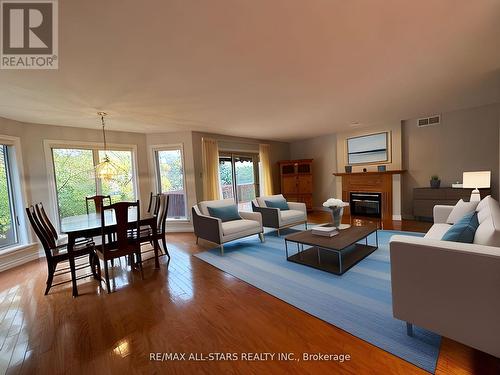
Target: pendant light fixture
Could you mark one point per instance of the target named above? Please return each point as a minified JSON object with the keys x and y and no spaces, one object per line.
{"x":105,"y":170}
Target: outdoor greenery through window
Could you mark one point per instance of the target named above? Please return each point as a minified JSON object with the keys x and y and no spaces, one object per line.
{"x":170,"y":172}
{"x":8,"y":230}
{"x":75,"y":177}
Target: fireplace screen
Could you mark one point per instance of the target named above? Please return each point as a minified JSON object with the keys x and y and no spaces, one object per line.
{"x":366,"y":204}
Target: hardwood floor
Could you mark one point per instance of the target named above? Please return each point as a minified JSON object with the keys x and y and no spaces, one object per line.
{"x":191,"y":307}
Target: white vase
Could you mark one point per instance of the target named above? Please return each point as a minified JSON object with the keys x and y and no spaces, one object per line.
{"x":337,"y":213}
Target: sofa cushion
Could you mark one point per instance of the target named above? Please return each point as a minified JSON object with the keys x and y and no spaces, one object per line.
{"x":203,"y":206}
{"x":460,"y":210}
{"x":262,"y":200}
{"x":277,"y":203}
{"x":291,"y":216}
{"x":463,"y":230}
{"x":239,"y":226}
{"x":437,"y":231}
{"x":225,"y":213}
{"x":488,"y":232}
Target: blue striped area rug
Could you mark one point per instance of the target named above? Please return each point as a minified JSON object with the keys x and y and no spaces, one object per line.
{"x":358,"y":302}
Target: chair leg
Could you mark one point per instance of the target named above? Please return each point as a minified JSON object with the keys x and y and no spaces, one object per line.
{"x":306,"y":224}
{"x":409,"y":329}
{"x":278,"y":232}
{"x":222,"y":249}
{"x":112,"y":262}
{"x":106,"y":275}
{"x":50,"y":277}
{"x":139,"y":263}
{"x":261,"y":237}
{"x":164,"y":243}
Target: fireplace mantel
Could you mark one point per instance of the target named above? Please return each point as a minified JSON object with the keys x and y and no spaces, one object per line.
{"x":373,"y":181}
{"x":397,"y":171}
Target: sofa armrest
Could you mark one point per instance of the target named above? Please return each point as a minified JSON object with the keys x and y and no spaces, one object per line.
{"x":270,"y":216}
{"x":207,"y":227}
{"x":441,"y":213}
{"x":255,"y":216}
{"x":448,"y":287}
{"x":299,"y":206}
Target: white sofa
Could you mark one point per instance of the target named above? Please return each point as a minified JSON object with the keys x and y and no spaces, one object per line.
{"x":214,"y":230}
{"x":280,"y":219}
{"x":451,"y":288}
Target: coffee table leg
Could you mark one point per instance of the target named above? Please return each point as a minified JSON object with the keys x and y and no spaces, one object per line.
{"x":340,"y":262}
{"x":319,"y":257}
{"x":286,"y":248}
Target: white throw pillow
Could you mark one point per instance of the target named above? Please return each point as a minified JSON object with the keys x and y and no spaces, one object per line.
{"x":460,"y":210}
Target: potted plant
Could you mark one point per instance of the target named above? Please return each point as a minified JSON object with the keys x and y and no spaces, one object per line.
{"x":435,"y":182}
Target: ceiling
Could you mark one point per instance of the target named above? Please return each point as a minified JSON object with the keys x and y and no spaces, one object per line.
{"x":275,"y":69}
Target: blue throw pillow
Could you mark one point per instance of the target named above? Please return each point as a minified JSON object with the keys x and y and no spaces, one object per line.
{"x":277,"y":203}
{"x":463,"y":230}
{"x":225,"y":213}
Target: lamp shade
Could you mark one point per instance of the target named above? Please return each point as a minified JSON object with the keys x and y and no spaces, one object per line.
{"x":477,"y":180}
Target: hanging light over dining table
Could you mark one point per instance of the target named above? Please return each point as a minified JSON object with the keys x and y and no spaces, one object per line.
{"x":105,"y":170}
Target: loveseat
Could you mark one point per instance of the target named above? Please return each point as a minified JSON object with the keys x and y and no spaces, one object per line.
{"x":451,"y":288}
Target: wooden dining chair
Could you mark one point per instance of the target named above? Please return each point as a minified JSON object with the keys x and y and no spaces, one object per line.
{"x":56,"y":254}
{"x":161,"y":212}
{"x":98,"y":202}
{"x":153,"y":203}
{"x":124,"y":242}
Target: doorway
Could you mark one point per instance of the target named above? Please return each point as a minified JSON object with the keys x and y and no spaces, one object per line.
{"x":239,"y":178}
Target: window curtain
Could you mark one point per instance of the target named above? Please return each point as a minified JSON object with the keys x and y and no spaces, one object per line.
{"x":210,"y":155}
{"x":266,"y":175}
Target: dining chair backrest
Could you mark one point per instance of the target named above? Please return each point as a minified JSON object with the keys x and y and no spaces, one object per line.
{"x":45,"y":221}
{"x":161,"y":212}
{"x":153,"y":202}
{"x":124,"y":241}
{"x":45,"y":237}
{"x":98,"y":202}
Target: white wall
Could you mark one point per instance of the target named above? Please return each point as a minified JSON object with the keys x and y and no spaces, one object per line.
{"x":324,"y":152}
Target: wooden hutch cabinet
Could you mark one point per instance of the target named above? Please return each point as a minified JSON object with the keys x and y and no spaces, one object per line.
{"x":296,"y":181}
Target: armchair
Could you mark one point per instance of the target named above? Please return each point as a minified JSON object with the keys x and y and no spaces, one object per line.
{"x":280,"y":219}
{"x":214,"y":230}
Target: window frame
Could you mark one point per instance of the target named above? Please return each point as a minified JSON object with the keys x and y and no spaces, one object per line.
{"x":17,"y":193}
{"x":49,"y":145}
{"x":157,"y":177}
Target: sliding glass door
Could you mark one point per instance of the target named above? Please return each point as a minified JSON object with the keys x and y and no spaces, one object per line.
{"x":239,"y":178}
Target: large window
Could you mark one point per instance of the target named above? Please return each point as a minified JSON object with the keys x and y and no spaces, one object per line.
{"x":8,"y":227}
{"x":74,"y":170}
{"x":170,"y":179}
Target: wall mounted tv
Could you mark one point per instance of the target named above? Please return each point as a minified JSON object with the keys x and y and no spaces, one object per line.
{"x":369,"y":149}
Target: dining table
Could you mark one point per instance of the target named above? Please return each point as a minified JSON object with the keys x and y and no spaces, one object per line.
{"x":89,"y":226}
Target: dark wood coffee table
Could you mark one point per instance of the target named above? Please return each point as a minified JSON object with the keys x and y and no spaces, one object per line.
{"x":332,"y":254}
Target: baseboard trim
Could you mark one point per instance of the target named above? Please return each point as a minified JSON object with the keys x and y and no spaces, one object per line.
{"x":184,"y":227}
{"x":20,"y":256}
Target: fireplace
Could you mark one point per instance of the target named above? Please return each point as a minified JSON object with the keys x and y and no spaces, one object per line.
{"x":366,"y":204}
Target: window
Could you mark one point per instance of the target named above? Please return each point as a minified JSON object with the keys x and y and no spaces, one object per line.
{"x":8,"y":227}
{"x":170,"y":179}
{"x":74,"y":172}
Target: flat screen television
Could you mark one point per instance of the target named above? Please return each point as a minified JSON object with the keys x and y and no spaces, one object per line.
{"x":368,"y":149}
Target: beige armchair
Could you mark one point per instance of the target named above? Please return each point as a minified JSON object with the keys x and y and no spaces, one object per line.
{"x":280,"y":219}
{"x":215,"y":230}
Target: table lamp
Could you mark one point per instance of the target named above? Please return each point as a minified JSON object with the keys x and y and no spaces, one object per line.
{"x":476,"y":180}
